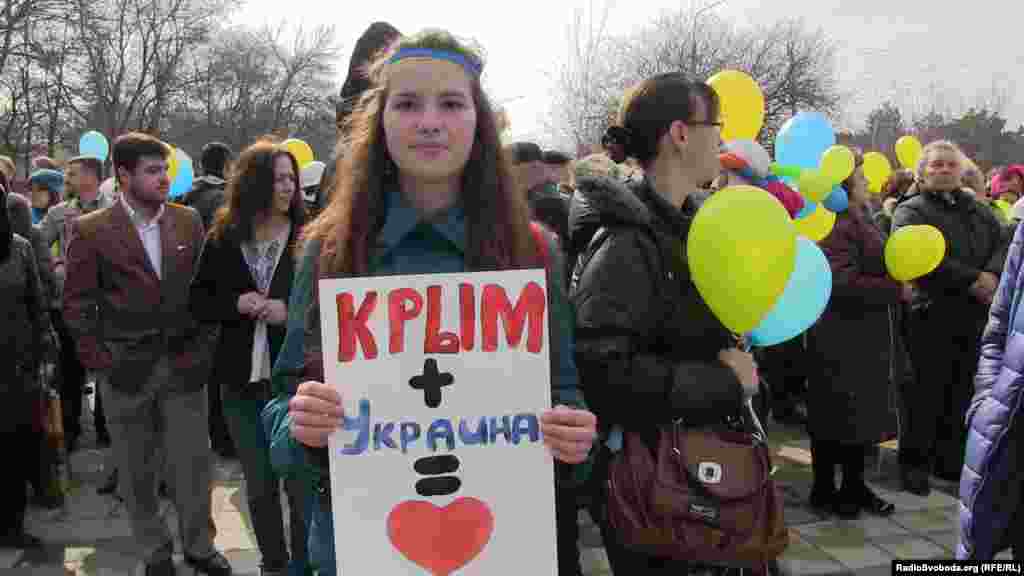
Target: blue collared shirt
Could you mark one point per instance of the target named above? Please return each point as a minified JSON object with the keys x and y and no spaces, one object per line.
{"x":408,"y":244}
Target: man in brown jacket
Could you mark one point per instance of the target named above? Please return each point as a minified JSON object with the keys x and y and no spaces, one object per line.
{"x":129,"y":267}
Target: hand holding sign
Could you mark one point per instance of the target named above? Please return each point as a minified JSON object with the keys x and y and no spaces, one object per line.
{"x":568,"y":433}
{"x":316,"y":412}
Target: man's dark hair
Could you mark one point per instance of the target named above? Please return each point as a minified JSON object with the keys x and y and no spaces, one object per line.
{"x":90,"y":163}
{"x":555,"y":157}
{"x":214,"y":158}
{"x":523,"y":152}
{"x":130,"y":147}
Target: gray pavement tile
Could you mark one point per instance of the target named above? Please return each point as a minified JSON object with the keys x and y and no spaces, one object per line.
{"x":857,"y":556}
{"x":8,"y":558}
{"x":803,"y":559}
{"x":927,"y":520}
{"x":851,"y":531}
{"x":106,"y":561}
{"x":244,"y":562}
{"x":42,"y":571}
{"x":907,"y":501}
{"x":910,"y":547}
{"x":946,"y":539}
{"x":81,"y":529}
{"x":594,"y":562}
{"x":799,"y":515}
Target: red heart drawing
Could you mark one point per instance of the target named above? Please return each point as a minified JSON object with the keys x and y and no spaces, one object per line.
{"x":440,"y":540}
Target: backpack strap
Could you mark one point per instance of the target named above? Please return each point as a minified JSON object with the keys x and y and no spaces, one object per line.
{"x":543,"y":250}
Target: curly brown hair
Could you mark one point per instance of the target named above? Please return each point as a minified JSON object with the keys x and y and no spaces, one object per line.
{"x":497,"y":217}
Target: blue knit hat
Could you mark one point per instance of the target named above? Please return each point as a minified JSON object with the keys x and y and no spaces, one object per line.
{"x":52,"y":179}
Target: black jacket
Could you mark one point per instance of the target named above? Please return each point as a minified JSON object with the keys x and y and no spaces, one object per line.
{"x":646,"y":343}
{"x":976,"y":242}
{"x":206,"y":196}
{"x":223,"y":277}
{"x":550,"y":207}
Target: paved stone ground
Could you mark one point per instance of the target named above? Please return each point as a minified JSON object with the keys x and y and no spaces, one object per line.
{"x":91,"y":536}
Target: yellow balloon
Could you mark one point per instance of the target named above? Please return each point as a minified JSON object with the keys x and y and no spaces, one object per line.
{"x":302,"y":152}
{"x":1006,"y":208}
{"x":877,"y":170}
{"x":913,"y":251}
{"x":814,"y":185}
{"x":741,"y":104}
{"x":908,"y":151}
{"x":172,"y":163}
{"x":741,"y":251}
{"x":817,"y":225}
{"x":837,"y":163}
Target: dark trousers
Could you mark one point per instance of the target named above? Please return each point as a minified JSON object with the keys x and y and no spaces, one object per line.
{"x":24,"y":446}
{"x":944,"y":351}
{"x":566,"y":525}
{"x":781,"y":366}
{"x":72,"y":380}
{"x":220,"y":433}
{"x":826,"y":455}
{"x":243,"y":405}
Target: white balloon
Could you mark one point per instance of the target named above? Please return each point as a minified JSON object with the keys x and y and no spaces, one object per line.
{"x":755,"y":155}
{"x":312,"y":173}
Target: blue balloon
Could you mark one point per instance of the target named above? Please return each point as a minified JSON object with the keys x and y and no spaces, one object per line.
{"x":802,"y":302}
{"x":807,"y":210}
{"x":93,"y":143}
{"x":837,"y":200}
{"x":183,"y":179}
{"x":803,"y":139}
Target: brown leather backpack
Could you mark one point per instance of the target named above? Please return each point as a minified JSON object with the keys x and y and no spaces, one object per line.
{"x":707,"y":496}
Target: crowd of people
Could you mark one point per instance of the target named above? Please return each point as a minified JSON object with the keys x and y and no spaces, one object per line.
{"x":196,"y":324}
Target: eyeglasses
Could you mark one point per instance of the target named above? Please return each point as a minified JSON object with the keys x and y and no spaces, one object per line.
{"x":702,"y":123}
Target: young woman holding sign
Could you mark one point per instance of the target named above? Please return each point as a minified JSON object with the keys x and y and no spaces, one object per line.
{"x":424,"y":190}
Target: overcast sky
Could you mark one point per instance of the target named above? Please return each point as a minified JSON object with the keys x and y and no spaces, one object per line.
{"x":909,"y":51}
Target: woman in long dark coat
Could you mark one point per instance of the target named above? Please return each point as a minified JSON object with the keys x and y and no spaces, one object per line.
{"x":854,"y":352}
{"x":24,"y":337}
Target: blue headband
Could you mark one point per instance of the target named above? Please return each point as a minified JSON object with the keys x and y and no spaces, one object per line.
{"x":434,"y":54}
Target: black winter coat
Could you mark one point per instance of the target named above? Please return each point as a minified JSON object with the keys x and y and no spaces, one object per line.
{"x":855,"y":350}
{"x":646,"y":343}
{"x":976,"y":242}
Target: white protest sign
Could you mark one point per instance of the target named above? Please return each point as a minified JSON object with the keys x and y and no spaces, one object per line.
{"x":440,"y":468}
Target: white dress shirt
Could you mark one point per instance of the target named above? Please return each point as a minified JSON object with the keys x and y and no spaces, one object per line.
{"x":149,"y":233}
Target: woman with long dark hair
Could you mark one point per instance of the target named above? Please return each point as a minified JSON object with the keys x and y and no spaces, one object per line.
{"x":24,"y":337}
{"x":243,"y":284}
{"x":424,"y":189}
